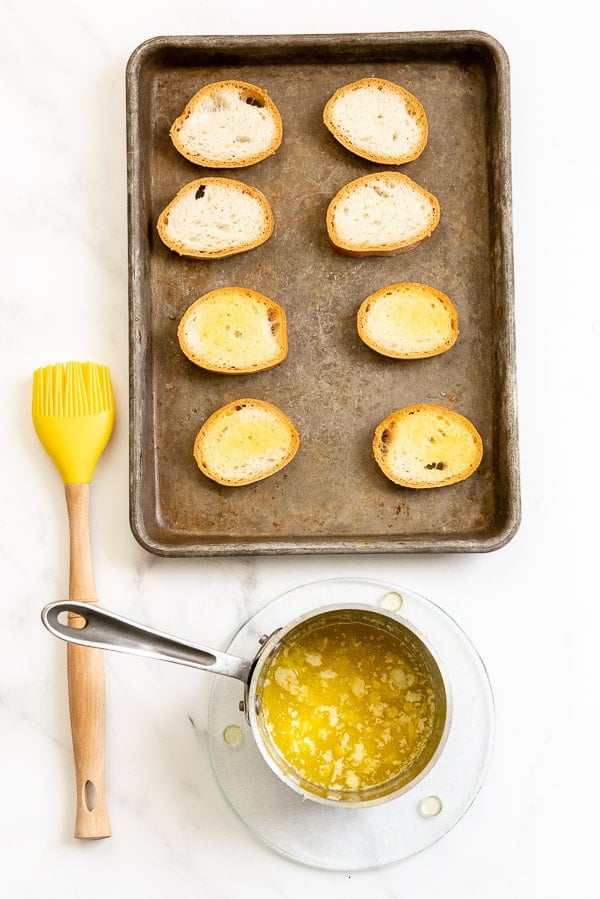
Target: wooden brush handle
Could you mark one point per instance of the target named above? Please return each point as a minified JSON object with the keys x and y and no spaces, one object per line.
{"x":85,"y":673}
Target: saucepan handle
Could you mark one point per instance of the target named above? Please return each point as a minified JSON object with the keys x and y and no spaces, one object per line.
{"x":106,"y":630}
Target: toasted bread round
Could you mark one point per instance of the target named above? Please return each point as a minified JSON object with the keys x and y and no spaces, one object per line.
{"x":215,"y":217}
{"x":408,"y":320}
{"x":234,"y":330}
{"x":245,"y":441}
{"x":377,"y":120}
{"x":228,"y":124}
{"x":380,"y":215}
{"x":427,"y":445}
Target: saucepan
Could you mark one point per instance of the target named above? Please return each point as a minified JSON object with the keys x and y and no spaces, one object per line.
{"x":348,"y":706}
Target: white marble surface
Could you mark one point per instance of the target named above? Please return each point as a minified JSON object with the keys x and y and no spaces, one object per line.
{"x":531,"y":608}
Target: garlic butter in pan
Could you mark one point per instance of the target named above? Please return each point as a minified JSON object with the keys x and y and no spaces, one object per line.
{"x":347,"y":705}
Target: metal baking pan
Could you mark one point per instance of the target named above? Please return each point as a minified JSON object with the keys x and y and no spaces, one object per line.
{"x":332,"y":498}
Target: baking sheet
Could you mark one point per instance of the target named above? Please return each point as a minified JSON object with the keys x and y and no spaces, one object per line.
{"x":332,"y":498}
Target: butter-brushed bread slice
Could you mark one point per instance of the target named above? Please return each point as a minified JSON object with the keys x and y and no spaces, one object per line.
{"x":234,"y":330}
{"x":228,"y":124}
{"x":245,"y":441}
{"x":215,"y":217}
{"x":377,"y":120}
{"x":380,"y":215}
{"x":427,"y":445}
{"x":408,"y":320}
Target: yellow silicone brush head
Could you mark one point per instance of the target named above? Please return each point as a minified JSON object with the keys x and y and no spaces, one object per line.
{"x":73,"y":414}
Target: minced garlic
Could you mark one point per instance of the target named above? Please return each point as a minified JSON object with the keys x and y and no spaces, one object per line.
{"x":348,"y":704}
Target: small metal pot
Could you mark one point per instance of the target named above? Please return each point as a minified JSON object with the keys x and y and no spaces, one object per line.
{"x":106,"y":630}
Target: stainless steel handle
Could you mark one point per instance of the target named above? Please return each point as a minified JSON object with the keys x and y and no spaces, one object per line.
{"x":106,"y":630}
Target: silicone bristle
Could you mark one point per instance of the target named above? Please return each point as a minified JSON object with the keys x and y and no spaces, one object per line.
{"x":72,"y":389}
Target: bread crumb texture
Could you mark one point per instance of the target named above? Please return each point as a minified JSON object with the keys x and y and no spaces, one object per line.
{"x":408,"y":320}
{"x":380,"y":214}
{"x":234,"y":330}
{"x":427,"y":445}
{"x":245,"y":441}
{"x":228,"y":124}
{"x":215,"y":217}
{"x":378,"y":120}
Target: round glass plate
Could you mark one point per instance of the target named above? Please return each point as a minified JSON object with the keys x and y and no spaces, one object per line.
{"x":352,"y":839}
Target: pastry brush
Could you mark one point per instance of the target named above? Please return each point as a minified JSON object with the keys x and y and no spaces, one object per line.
{"x":73,"y":415}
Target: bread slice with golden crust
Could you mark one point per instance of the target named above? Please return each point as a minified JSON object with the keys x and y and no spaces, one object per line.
{"x":215,"y":217}
{"x":408,"y":320}
{"x":245,"y":441}
{"x":228,"y":124}
{"x":377,"y":120}
{"x":380,"y":215}
{"x":427,"y":445}
{"x":234,"y":330}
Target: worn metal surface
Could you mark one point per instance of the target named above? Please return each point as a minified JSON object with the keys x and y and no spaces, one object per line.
{"x":332,"y":497}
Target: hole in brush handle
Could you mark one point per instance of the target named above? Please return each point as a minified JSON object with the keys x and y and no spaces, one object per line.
{"x":90,"y":796}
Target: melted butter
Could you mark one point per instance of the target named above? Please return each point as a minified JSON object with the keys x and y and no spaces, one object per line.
{"x":348,"y":705}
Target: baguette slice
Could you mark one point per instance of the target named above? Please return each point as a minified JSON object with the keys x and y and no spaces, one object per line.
{"x":215,"y":217}
{"x":378,"y":120}
{"x":380,"y":215}
{"x":408,"y":321}
{"x":234,"y":330}
{"x":228,"y":124}
{"x":245,"y":441}
{"x":427,"y":445}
